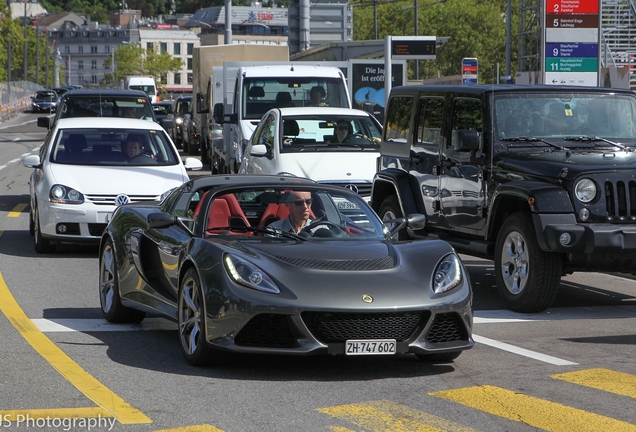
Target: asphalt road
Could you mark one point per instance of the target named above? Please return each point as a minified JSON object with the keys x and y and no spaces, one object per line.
{"x":62,"y":367}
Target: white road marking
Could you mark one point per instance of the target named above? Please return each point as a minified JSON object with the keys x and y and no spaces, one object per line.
{"x":555,"y":314}
{"x":99,"y":325}
{"x":522,"y":351}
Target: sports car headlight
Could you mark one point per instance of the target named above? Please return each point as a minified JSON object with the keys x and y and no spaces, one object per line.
{"x":249,"y":275}
{"x":65,"y":195}
{"x":585,"y":190}
{"x":448,"y":274}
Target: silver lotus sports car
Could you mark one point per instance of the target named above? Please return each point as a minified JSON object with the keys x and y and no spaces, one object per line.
{"x":207,"y":257}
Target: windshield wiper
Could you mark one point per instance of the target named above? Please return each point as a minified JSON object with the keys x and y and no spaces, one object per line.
{"x":534,"y":139}
{"x":593,"y":139}
{"x":274,"y":232}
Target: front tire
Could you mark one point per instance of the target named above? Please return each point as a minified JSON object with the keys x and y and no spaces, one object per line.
{"x":527,"y":277}
{"x":194,"y":345}
{"x":42,"y":245}
{"x":109,"y":298}
{"x":390,"y":209}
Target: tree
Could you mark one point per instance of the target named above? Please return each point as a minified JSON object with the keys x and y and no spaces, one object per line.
{"x":475,"y":28}
{"x":13,"y":29}
{"x":132,"y":59}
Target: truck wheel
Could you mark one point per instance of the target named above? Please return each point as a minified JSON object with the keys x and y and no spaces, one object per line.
{"x":527,"y":277}
{"x":390,"y":209}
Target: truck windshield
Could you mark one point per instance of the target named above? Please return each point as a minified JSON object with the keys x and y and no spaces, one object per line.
{"x":565,"y":115}
{"x":262,"y":94}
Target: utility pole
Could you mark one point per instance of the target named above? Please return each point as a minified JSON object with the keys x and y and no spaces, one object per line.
{"x":37,"y":50}
{"x":25,"y":41}
{"x":9,"y":56}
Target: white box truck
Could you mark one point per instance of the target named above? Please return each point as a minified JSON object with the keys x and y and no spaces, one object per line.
{"x":199,"y":128}
{"x":249,"y":89}
{"x":144,"y":83}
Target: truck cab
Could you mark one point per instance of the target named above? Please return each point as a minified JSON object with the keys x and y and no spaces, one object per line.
{"x":251,"y":91}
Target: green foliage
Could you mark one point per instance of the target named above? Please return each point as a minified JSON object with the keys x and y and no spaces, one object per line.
{"x":134,"y":60}
{"x":13,"y":30}
{"x":475,"y":28}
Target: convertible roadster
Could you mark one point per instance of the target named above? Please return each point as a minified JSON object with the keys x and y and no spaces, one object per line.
{"x":212,"y":257}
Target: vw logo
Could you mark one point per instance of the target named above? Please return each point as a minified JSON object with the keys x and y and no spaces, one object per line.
{"x":121,"y":199}
{"x":367,"y":298}
{"x":352,"y":188}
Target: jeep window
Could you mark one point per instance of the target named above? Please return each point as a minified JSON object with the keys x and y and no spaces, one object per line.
{"x":429,"y":122}
{"x":467,"y":115}
{"x":398,"y":119}
{"x":566,"y":115}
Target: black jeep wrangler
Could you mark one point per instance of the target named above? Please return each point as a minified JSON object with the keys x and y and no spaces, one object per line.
{"x":540,"y":179}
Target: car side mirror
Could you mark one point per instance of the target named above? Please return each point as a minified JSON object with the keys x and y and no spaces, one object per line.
{"x":45,"y":122}
{"x":467,"y":140}
{"x":161,"y":220}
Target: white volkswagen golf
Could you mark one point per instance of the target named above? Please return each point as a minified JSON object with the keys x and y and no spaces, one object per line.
{"x":87,"y":167}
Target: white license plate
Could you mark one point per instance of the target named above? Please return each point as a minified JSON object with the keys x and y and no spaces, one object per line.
{"x":368,"y":347}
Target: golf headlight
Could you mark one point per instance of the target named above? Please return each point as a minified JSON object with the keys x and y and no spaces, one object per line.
{"x":65,"y":195}
{"x":448,"y":274}
{"x":585,"y":190}
{"x":249,"y":275}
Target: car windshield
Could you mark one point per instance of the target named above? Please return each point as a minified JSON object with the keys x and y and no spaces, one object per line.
{"x":46,"y":95}
{"x":321,"y":133}
{"x":565,"y":115}
{"x":325,"y":214}
{"x":92,"y":146}
{"x":262,"y":94}
{"x":106,"y":106}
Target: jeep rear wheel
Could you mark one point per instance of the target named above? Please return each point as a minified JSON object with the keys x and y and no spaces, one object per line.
{"x":527,"y":277}
{"x":390,"y":209}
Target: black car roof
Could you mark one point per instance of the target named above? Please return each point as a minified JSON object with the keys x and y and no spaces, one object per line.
{"x":83,"y":92}
{"x":251,"y":180}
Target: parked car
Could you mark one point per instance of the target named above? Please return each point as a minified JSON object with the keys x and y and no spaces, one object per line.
{"x":206,"y":258}
{"x":181,"y":110}
{"x":82,"y":174}
{"x":104,"y":103}
{"x":539,"y":179}
{"x":304,"y":142}
{"x":44,"y":101}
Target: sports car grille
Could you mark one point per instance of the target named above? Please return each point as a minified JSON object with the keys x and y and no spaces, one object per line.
{"x":267,"y":330}
{"x":109,"y":200}
{"x":447,"y":328}
{"x":346,"y":265}
{"x":330,"y":327}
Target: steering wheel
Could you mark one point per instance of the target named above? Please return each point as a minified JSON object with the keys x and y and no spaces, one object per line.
{"x":353,"y":135}
{"x":330,"y":229}
{"x":142,"y":159}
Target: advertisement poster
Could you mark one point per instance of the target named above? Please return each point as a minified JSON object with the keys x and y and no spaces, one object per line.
{"x":367,"y":84}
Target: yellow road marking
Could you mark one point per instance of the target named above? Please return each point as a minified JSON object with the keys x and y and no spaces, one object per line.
{"x":602,"y":379}
{"x":199,"y":428}
{"x":17,"y":210}
{"x":90,"y":412}
{"x":70,"y":370}
{"x":533,"y":411}
{"x":386,"y":416}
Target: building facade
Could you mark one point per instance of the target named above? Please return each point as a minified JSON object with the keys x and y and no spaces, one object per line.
{"x":85,"y":50}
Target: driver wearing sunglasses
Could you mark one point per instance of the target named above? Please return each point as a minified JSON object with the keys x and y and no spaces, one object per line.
{"x":299,"y":205}
{"x":342,"y":131}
